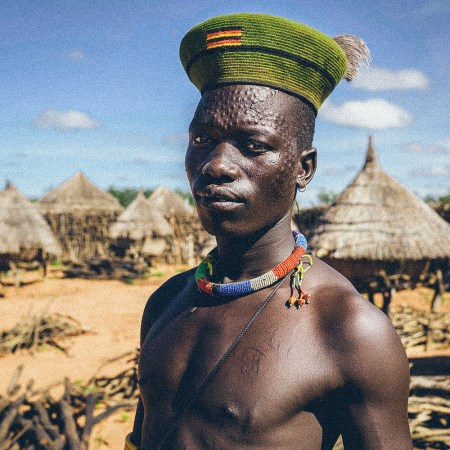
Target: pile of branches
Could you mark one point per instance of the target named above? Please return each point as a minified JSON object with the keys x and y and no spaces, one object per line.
{"x":421,"y":329}
{"x":124,"y":385}
{"x":36,"y":331}
{"x":35,"y":420}
{"x":429,"y":412}
{"x":107,"y":269}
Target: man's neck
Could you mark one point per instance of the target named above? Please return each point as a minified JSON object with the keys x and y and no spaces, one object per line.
{"x":243,"y":258}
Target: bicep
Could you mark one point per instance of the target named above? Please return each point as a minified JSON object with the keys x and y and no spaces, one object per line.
{"x":377,"y":385}
{"x":372,"y":423}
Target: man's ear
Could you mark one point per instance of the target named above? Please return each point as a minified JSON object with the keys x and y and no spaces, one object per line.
{"x":308,"y":162}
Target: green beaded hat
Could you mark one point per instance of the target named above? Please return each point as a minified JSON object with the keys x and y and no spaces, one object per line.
{"x":270,"y":51}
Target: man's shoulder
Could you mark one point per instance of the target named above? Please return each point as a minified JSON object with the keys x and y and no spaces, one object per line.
{"x":175,"y":284}
{"x":357,"y":332}
{"x":168,"y":292}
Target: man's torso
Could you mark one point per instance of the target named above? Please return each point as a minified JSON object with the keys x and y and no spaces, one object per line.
{"x":280,"y":382}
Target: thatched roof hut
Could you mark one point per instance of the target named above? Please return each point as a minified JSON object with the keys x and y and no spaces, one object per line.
{"x":170,"y":203}
{"x":377,"y":224}
{"x":80,"y":214}
{"x":24,"y":234}
{"x":79,"y":194}
{"x":141,"y":227}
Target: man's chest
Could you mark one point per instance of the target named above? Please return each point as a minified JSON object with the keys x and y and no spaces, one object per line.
{"x":278,"y":368}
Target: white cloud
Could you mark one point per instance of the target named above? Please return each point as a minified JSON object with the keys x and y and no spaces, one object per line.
{"x":416,"y":147}
{"x":377,"y":79}
{"x":65,"y":120}
{"x":77,"y":55}
{"x":433,"y":171}
{"x":376,"y":114}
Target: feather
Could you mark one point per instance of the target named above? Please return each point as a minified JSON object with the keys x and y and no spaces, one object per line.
{"x":356,"y":51}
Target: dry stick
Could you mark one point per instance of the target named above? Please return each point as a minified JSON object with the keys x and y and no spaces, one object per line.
{"x":69,"y":425}
{"x":439,"y":291}
{"x":111,"y":409}
{"x":42,"y":436}
{"x":429,"y":407}
{"x":10,"y":416}
{"x":89,"y":422}
{"x":435,"y":401}
{"x":111,"y":360}
{"x":439,"y":387}
{"x":14,"y":384}
{"x":4,"y":403}
{"x":8,"y":444}
{"x":51,"y":429}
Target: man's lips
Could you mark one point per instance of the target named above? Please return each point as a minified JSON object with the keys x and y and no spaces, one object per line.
{"x":217,"y":199}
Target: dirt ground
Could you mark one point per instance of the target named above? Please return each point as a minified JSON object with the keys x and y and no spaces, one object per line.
{"x":112,"y":310}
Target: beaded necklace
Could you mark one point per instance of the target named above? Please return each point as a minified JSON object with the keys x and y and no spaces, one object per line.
{"x":293,"y":263}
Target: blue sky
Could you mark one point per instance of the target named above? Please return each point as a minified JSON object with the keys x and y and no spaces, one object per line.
{"x":97,"y":86}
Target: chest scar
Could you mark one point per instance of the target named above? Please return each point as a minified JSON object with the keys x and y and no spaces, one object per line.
{"x":252,"y":360}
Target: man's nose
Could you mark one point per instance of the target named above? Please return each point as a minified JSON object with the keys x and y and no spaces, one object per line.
{"x":220,"y":163}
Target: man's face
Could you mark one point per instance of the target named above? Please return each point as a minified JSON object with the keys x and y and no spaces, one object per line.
{"x":243,"y":158}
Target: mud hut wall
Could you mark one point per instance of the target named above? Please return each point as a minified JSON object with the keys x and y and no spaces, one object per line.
{"x":186,"y":245}
{"x":362,"y":272}
{"x":82,"y":234}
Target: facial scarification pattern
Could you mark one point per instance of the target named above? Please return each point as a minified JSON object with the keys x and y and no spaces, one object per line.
{"x":263,"y":177}
{"x":234,"y":106}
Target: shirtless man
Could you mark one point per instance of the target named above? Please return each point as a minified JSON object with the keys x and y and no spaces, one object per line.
{"x":298,"y":377}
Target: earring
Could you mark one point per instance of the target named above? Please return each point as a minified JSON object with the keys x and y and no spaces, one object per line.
{"x":302,"y":189}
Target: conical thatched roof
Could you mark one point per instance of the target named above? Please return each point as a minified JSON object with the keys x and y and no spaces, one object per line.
{"x":78,"y":194}
{"x":169,"y":202}
{"x":140,"y":220}
{"x":22,"y":227}
{"x":377,"y":219}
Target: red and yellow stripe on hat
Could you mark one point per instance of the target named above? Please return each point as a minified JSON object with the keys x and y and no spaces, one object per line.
{"x":224,"y":37}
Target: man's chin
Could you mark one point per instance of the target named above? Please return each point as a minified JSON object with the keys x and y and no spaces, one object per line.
{"x":227,"y":228}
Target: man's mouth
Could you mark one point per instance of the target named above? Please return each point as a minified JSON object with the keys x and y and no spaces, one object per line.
{"x":217,"y":200}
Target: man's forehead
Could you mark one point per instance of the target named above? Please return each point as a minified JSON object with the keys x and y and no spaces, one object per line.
{"x":251,"y":103}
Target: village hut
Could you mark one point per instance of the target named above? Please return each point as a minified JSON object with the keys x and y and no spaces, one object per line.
{"x":141,"y":230}
{"x":376,"y":226}
{"x":80,"y":215}
{"x":306,"y":219}
{"x":188,"y":233}
{"x":170,"y":203}
{"x":24,"y":234}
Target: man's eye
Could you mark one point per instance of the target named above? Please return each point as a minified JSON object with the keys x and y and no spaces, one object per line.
{"x":256,"y":147}
{"x":200,"y":140}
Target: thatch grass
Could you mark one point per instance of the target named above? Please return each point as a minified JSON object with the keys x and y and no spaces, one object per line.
{"x":23,"y":231}
{"x":377,"y":219}
{"x":140,"y":220}
{"x":78,"y":194}
{"x":80,"y":215}
{"x":142,"y":229}
{"x":170,"y":203}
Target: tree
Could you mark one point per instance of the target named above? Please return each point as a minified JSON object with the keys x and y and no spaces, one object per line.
{"x":326,"y":198}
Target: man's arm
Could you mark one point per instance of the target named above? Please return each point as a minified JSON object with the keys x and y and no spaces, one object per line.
{"x":151,"y":311}
{"x":376,"y":375}
{"x":156,"y":304}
